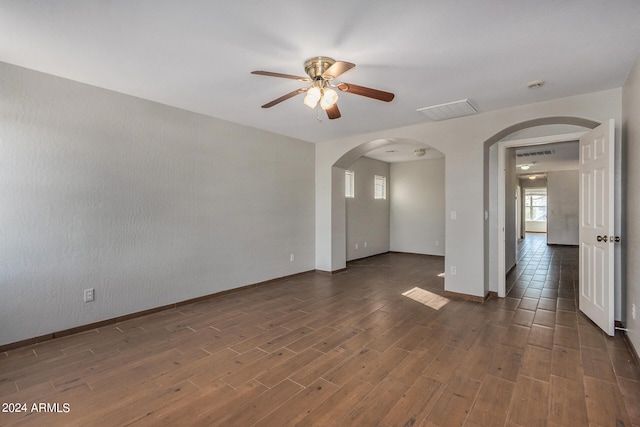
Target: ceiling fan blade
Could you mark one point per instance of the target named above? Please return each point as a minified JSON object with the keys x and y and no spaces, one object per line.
{"x":337,"y":69}
{"x":285,"y":97}
{"x":366,"y":91}
{"x":333,"y":112}
{"x":284,"y":76}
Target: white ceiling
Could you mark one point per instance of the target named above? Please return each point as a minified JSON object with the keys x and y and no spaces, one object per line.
{"x":403,"y":151}
{"x":563,"y":156}
{"x":198,"y":54}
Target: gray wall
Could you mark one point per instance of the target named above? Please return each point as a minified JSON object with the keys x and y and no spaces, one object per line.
{"x":510,"y":200}
{"x":367,"y":219}
{"x":631,"y":236}
{"x":146,"y":203}
{"x":417,"y":207}
{"x":563,"y":207}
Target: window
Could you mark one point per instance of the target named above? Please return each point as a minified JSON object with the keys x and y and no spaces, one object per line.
{"x":349,"y":184}
{"x":379,"y":187}
{"x":535,"y":204}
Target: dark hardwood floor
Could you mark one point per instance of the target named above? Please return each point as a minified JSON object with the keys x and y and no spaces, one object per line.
{"x":343,"y":350}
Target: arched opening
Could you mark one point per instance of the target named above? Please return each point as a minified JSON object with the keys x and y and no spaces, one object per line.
{"x":339,"y":252}
{"x":494,"y":230}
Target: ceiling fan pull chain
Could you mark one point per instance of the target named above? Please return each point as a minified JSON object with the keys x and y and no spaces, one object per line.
{"x":318,"y":111}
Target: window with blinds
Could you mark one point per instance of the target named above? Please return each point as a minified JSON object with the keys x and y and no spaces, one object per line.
{"x":379,"y":187}
{"x":535,"y":204}
{"x":349,"y":184}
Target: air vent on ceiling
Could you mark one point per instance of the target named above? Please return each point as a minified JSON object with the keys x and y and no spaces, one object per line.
{"x":449,"y":110}
{"x":535,"y":153}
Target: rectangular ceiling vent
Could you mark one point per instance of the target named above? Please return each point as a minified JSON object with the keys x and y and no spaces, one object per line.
{"x":536,"y":153}
{"x":450,"y":110}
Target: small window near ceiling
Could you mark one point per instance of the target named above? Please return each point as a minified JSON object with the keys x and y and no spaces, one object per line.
{"x":349,"y":184}
{"x":379,"y":187}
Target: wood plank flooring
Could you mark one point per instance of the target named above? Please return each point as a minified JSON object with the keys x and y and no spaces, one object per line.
{"x":343,"y":350}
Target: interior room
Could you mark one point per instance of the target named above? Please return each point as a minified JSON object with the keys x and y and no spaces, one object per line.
{"x":369,"y":213}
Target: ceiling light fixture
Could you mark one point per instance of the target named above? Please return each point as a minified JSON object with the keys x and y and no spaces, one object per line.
{"x":525,"y":167}
{"x":532,"y":177}
{"x":325,"y":96}
{"x":535,"y":84}
{"x":322,"y":72}
{"x":313,"y":96}
{"x":419,"y":152}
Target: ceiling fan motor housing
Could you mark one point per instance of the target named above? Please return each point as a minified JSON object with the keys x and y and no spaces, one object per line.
{"x":315,"y":67}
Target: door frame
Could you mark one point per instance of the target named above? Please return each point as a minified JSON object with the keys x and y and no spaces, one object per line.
{"x":502,"y":149}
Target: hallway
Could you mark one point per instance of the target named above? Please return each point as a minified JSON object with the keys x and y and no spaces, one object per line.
{"x":579,"y":356}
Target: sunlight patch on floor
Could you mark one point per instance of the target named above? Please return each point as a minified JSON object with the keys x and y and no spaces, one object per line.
{"x":427,"y":298}
{"x":441,"y":274}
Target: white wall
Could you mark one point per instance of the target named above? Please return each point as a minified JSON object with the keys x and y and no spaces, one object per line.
{"x":417,"y":207}
{"x":535,"y":227}
{"x":631,"y":236}
{"x":148,"y":204}
{"x":367,"y":218}
{"x":563,"y":207}
{"x":462,"y":142}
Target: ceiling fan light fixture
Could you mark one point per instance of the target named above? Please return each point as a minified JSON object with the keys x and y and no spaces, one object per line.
{"x":322,"y":71}
{"x":313,"y":96}
{"x":329,"y":98}
{"x":525,"y":167}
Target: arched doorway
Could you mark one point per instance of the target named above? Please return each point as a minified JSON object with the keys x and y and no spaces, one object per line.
{"x":338,"y":201}
{"x":494,"y":206}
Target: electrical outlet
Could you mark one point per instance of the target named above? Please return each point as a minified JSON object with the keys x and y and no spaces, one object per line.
{"x":453,"y":270}
{"x":633,"y":311}
{"x":437,"y":242}
{"x":356,"y":246}
{"x":364,"y":244}
{"x":89,"y":295}
{"x":292,"y":257}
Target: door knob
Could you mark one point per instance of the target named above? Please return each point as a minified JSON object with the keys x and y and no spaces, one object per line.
{"x":615,"y":239}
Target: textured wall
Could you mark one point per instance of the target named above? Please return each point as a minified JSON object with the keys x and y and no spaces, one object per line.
{"x":146,"y":203}
{"x":417,"y":207}
{"x":367,"y":219}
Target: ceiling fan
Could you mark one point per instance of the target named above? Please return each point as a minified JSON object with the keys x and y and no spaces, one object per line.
{"x":322,"y":72}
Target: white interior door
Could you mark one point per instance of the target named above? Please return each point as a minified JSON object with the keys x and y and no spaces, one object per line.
{"x":596,"y":279}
